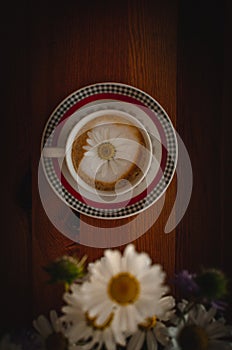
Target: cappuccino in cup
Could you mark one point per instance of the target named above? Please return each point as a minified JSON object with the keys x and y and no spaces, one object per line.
{"x":107,"y":151}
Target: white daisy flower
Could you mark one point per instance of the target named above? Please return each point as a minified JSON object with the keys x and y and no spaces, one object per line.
{"x":52,"y":331}
{"x":127,"y":286}
{"x":110,"y":151}
{"x":6,"y":344}
{"x":84,"y":333}
{"x":153,"y":331}
{"x":200,"y":330}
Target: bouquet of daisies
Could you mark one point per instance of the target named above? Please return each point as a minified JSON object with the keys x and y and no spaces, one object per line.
{"x":123,"y":301}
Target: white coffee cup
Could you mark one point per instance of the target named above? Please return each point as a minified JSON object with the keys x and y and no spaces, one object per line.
{"x":99,"y":121}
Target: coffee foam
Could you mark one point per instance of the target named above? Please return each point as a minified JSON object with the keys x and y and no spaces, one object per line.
{"x":128,"y":142}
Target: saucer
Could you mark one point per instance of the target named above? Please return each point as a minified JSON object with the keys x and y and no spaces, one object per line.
{"x":127,"y":99}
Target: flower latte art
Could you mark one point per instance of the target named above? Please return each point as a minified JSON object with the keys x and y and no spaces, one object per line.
{"x":107,"y":151}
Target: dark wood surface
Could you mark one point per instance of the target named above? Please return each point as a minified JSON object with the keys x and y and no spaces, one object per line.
{"x":203,"y":118}
{"x":177,"y":52}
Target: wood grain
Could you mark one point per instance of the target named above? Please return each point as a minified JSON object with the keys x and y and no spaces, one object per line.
{"x":77,"y":45}
{"x":225,"y":154}
{"x":150,"y":58}
{"x":178,"y":53}
{"x":200,"y":122}
{"x":203,"y":91}
{"x":15,"y":246}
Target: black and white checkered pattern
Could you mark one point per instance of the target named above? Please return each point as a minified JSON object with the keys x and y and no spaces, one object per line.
{"x":148,"y":101}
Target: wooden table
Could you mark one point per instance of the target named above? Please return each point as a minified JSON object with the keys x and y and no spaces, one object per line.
{"x":176,"y":51}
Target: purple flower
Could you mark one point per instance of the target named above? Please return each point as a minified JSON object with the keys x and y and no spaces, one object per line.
{"x":219,"y":305}
{"x":185,"y":281}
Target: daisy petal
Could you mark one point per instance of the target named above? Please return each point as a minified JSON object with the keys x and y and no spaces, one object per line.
{"x":126,"y":153}
{"x":203,"y":317}
{"x":104,"y":169}
{"x":108,"y":340}
{"x":114,"y":166}
{"x":91,"y":142}
{"x":113,"y":260}
{"x":167,"y":305}
{"x":43,"y":326}
{"x":161,"y":333}
{"x":116,"y":324}
{"x":151,"y":341}
{"x":100,"y":268}
{"x":219,"y":345}
{"x":87,"y":148}
{"x":55,"y":321}
{"x":123,"y":319}
{"x":216,"y":330}
{"x":103,"y":311}
{"x":75,"y":333}
{"x":90,"y":152}
{"x":119,"y":338}
{"x":132,"y":317}
{"x":136,"y":341}
{"x":145,"y":308}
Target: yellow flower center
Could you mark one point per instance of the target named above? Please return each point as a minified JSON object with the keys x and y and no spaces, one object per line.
{"x":124,"y":288}
{"x":193,"y":337}
{"x":91,"y":321}
{"x":149,"y":323}
{"x":106,"y":151}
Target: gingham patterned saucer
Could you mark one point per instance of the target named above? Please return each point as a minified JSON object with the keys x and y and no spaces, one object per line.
{"x":153,"y":117}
